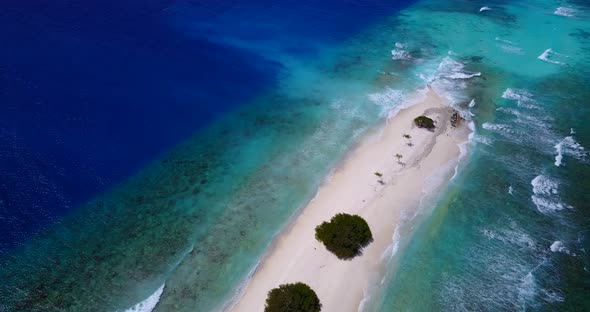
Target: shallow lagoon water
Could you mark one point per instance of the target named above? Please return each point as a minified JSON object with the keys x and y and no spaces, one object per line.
{"x":510,"y":233}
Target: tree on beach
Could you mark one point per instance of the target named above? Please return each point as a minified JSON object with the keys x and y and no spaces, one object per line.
{"x":345,"y":235}
{"x":409,"y":138}
{"x":297,"y":297}
{"x":424,"y":122}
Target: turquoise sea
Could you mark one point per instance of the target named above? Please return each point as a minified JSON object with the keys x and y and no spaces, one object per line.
{"x":183,"y":229}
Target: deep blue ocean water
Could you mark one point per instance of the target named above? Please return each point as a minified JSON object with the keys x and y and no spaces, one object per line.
{"x":143,"y":140}
{"x":93,"y":91}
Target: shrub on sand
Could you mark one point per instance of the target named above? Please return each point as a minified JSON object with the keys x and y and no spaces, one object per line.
{"x":424,"y":122}
{"x":345,"y":235}
{"x":297,"y":297}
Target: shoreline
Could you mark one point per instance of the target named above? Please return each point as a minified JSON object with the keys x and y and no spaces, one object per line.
{"x":294,"y":255}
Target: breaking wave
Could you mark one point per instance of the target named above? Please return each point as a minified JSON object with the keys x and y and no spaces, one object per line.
{"x":399,"y":53}
{"x":509,"y":46}
{"x":558,"y":246}
{"x":504,"y":40}
{"x":548,"y":56}
{"x":449,"y":80}
{"x":545,"y":195}
{"x":522,"y":97}
{"x":391,"y":101}
{"x":463,"y":75}
{"x":513,"y":235}
{"x":564,"y":11}
{"x":501,"y":128}
{"x":393,"y":248}
{"x":570,"y":147}
{"x":148,"y":304}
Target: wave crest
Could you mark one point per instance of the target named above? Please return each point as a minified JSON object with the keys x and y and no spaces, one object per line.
{"x":565,"y":11}
{"x":522,"y":97}
{"x":548,"y":56}
{"x":148,"y":304}
{"x":569,"y":146}
{"x":399,"y":53}
{"x":545,"y":195}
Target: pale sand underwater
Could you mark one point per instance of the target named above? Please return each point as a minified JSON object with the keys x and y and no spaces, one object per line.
{"x":296,"y":256}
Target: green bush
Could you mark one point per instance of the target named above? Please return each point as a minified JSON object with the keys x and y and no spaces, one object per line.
{"x":296,"y":297}
{"x":345,"y":235}
{"x":424,"y":122}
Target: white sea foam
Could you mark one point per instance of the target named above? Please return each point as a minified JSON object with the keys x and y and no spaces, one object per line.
{"x":509,"y":46}
{"x":527,"y":289}
{"x":569,"y":146}
{"x":391,"y":100}
{"x":449,"y":80}
{"x":543,"y":185}
{"x":511,"y":49}
{"x":524,"y":117}
{"x":387,"y":98}
{"x":517,"y":94}
{"x":363,"y":302}
{"x":498,"y":128}
{"x":531,"y":127}
{"x":399,"y":53}
{"x":393,"y":248}
{"x":546,"y":205}
{"x":522,"y":97}
{"x":564,"y":11}
{"x":545,"y":195}
{"x":513,"y":235}
{"x":449,"y":66}
{"x":504,"y":40}
{"x":503,"y":282}
{"x":483,"y":140}
{"x":464,"y":148}
{"x":559,"y":156}
{"x":395,"y":239}
{"x":463,"y":75}
{"x":400,"y":45}
{"x":485,"y":8}
{"x":148,"y":304}
{"x":558,"y":246}
{"x":509,"y":111}
{"x":548,"y":54}
{"x":545,"y":55}
{"x":552,"y":296}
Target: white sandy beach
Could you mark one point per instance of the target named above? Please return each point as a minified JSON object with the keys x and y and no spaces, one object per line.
{"x":296,"y":256}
